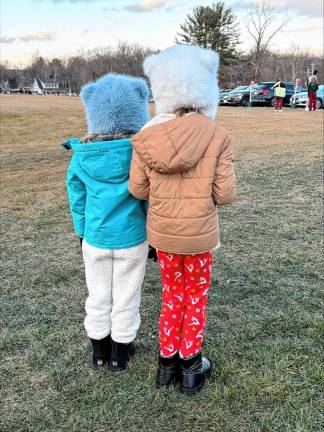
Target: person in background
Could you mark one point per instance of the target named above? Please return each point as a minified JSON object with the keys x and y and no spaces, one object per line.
{"x":312,"y":88}
{"x":313,"y":76}
{"x":280,"y":93}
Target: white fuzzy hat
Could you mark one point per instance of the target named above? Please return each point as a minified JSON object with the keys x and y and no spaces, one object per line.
{"x":184,"y":76}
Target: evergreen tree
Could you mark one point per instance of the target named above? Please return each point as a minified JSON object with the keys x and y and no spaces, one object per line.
{"x":213,"y":27}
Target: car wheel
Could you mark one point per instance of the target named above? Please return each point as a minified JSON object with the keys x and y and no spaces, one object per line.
{"x":319,"y":103}
{"x":244,"y":100}
{"x":272,"y":102}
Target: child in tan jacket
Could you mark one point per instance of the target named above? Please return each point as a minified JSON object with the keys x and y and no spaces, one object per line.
{"x":183,"y":164}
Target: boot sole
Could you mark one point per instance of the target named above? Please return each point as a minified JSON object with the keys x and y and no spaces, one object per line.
{"x":195,"y":390}
{"x":171,"y":383}
{"x":100,"y":367}
{"x":117,"y":370}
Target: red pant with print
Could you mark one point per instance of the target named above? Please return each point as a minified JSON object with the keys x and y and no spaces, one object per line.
{"x":185,"y":285}
{"x":278,"y":102}
{"x":312,"y":101}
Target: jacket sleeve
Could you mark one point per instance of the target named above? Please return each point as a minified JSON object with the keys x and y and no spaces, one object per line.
{"x":77,"y":198}
{"x":223,"y":188}
{"x":139,"y":184}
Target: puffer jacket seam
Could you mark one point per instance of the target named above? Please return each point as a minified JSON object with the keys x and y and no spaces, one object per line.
{"x":180,"y":178}
{"x":179,"y":198}
{"x":145,"y":156}
{"x":225,"y":142}
{"x":182,"y":237}
{"x":143,"y":181}
{"x":183,"y":218}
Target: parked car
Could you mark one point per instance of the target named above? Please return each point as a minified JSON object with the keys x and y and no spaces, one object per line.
{"x":263,"y":93}
{"x":14,"y":91}
{"x":300,"y":98}
{"x":222,"y":93}
{"x":27,"y":90}
{"x":239,"y":96}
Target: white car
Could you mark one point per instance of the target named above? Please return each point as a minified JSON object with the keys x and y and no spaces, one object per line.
{"x":300,"y":99}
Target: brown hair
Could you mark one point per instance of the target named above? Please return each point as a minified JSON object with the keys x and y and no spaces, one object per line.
{"x":185,"y":110}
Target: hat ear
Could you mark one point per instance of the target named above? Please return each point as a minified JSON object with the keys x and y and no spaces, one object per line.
{"x":142,"y":89}
{"x":210,"y":59}
{"x":87,"y":91}
{"x":149,"y":64}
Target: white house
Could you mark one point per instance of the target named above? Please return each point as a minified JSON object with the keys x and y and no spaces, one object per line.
{"x":41,"y":87}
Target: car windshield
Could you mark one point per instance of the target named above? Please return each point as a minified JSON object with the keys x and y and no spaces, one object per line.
{"x":263,"y":86}
{"x":240,"y":88}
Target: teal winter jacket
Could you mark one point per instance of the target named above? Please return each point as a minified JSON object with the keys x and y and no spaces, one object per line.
{"x":104,"y":213}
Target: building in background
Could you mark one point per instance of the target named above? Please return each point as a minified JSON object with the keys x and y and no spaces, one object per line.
{"x":46,"y":87}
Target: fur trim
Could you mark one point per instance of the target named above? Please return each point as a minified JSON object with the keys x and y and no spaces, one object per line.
{"x":115,"y":103}
{"x":106,"y":137}
{"x":184,"y":76}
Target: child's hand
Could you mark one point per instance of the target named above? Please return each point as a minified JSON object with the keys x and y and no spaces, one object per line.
{"x":152,"y":253}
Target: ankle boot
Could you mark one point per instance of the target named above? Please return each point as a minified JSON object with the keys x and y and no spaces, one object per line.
{"x":194,"y":373}
{"x":101,"y":352}
{"x":168,"y":371}
{"x":121,"y":353}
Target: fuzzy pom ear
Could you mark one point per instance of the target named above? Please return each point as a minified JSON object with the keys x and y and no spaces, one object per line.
{"x":142,"y":89}
{"x":86,"y":91}
{"x":149,"y":64}
{"x":210,"y":59}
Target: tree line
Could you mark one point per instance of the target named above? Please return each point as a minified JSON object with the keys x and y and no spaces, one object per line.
{"x":74,"y":71}
{"x":215,"y":27}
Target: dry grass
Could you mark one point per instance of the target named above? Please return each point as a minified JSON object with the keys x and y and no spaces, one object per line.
{"x":265,"y":328}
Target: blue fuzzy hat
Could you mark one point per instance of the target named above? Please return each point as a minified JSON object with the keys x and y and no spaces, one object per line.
{"x":115,"y":103}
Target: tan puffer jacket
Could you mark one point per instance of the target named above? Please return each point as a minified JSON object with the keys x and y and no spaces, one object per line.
{"x":185,"y":168}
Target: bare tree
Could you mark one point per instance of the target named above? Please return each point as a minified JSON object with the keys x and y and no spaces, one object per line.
{"x":263,"y":22}
{"x":293,"y":62}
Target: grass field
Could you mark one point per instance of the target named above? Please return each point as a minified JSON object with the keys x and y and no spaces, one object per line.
{"x":265,"y":322}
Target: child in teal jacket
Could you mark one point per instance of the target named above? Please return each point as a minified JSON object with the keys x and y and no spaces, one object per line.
{"x":109,"y":221}
{"x":104,"y":214}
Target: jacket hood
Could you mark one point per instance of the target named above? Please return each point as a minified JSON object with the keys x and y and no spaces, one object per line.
{"x":176,"y":145}
{"x":106,"y":161}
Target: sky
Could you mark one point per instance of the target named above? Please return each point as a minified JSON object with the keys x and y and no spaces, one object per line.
{"x":55,"y":28}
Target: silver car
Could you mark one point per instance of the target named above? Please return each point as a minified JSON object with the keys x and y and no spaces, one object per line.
{"x":300,"y":99}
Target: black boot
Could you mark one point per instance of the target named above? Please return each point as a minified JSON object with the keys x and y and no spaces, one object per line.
{"x":101,"y":352}
{"x":168,"y":371}
{"x":121,"y":353}
{"x":194,"y":372}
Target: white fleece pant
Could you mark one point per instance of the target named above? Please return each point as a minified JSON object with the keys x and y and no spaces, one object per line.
{"x":114,"y":280}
